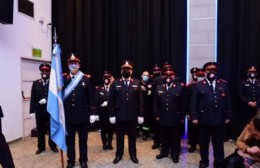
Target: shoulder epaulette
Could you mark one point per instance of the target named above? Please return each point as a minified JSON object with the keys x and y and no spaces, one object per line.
{"x":87,"y":75}
{"x":99,"y":87}
{"x":182,"y":84}
{"x":64,"y":74}
{"x":222,"y":80}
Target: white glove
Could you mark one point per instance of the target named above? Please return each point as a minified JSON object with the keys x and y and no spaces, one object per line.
{"x":140,"y":120}
{"x":97,"y":117}
{"x":104,"y":104}
{"x":112,"y":120}
{"x":92,"y":119}
{"x":32,"y":115}
{"x":43,"y":101}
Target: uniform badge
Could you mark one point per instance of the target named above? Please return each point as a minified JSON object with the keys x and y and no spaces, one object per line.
{"x":174,"y":85}
{"x":135,"y":86}
{"x":83,"y":84}
{"x":204,"y":82}
{"x":149,"y":86}
{"x":101,"y":93}
{"x":118,"y":86}
{"x":247,"y":85}
{"x":223,"y":94}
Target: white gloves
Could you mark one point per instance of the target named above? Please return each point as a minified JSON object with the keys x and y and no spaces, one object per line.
{"x":43,"y":101}
{"x":104,"y":104}
{"x":112,"y":120}
{"x":93,"y":118}
{"x":32,"y":115}
{"x":140,"y":120}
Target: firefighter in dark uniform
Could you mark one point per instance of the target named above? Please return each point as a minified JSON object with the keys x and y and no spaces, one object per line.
{"x":157,"y":80}
{"x":6,"y":159}
{"x":168,"y":108}
{"x":147,"y":90}
{"x":211,"y":110}
{"x":38,"y":105}
{"x":197,"y":75}
{"x":126,"y":109}
{"x":249,"y":94}
{"x":78,"y":100}
{"x":102,"y":100}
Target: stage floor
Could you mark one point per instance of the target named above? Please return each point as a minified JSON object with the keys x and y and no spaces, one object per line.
{"x":24,"y":156}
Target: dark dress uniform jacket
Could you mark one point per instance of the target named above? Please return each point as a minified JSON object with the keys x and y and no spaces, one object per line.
{"x":168,"y":104}
{"x":38,"y":92}
{"x":78,"y":104}
{"x":101,"y":96}
{"x":250,"y":92}
{"x":126,"y":102}
{"x":211,"y":108}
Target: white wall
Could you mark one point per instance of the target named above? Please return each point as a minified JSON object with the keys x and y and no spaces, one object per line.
{"x":16,"y":41}
{"x":202,"y":17}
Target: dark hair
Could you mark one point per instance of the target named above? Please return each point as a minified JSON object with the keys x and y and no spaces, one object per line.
{"x":256,"y":121}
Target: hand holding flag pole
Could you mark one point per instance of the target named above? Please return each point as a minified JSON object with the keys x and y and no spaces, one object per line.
{"x":55,"y":101}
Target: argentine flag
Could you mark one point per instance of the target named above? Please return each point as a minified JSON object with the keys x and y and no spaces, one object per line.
{"x":55,"y":102}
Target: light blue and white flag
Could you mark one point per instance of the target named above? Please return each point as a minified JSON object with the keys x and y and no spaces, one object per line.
{"x":55,"y":102}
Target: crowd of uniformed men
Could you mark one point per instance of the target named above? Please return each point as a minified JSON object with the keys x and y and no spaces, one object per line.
{"x":155,"y":105}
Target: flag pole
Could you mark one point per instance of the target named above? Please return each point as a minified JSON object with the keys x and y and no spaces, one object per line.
{"x":55,"y":37}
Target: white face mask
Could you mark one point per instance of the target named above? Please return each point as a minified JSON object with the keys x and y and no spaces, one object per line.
{"x":73,"y":68}
{"x":200,"y":78}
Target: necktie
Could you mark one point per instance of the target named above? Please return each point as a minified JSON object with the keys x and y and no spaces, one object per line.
{"x":126,"y":83}
{"x":106,"y":89}
{"x":212,"y":87}
{"x":73,"y":77}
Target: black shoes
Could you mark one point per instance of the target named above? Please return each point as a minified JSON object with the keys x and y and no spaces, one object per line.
{"x":160,"y":156}
{"x":54,"y":149}
{"x":134,"y":159}
{"x":110,"y":147}
{"x":39,"y":151}
{"x":203,"y":165}
{"x":155,"y":146}
{"x":191,"y":149}
{"x":70,"y":165}
{"x":175,"y":159}
{"x":117,"y":159}
{"x":105,"y":147}
{"x":83,"y":165}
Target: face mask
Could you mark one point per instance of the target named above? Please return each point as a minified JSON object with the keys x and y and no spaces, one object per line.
{"x":194,"y":78}
{"x":200,"y":79}
{"x":168,"y":80}
{"x":157,"y":74}
{"x":251,"y":75}
{"x":126,"y":73}
{"x":45,"y":76}
{"x":211,"y":76}
{"x":73,"y":67}
{"x":106,"y":81}
{"x":145,"y":78}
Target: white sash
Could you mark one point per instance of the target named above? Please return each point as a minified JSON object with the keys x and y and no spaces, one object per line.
{"x":72,"y":84}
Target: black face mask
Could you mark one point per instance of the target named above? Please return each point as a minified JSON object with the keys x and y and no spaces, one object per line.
{"x":251,"y":75}
{"x":211,"y":76}
{"x":157,"y":74}
{"x":126,"y":73}
{"x":45,"y":76}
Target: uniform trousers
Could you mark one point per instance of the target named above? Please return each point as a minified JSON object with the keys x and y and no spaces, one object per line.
{"x":171,"y":139}
{"x":43,"y":126}
{"x":193,"y":134}
{"x":129,"y":128}
{"x":106,"y":132}
{"x":215,"y":132}
{"x":6,"y":159}
{"x":82,"y":129}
